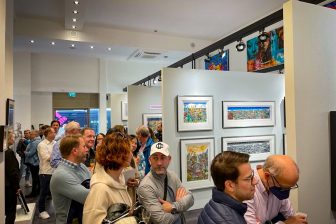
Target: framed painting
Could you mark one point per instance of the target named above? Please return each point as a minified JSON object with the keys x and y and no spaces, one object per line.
{"x":151,"y":120}
{"x":258,"y":147}
{"x":218,"y":62}
{"x":196,"y":157}
{"x":194,"y":113}
{"x":124,"y":111}
{"x":10,"y":112}
{"x":248,"y":114}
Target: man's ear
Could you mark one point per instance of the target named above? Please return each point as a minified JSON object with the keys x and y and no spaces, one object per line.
{"x":229,"y":185}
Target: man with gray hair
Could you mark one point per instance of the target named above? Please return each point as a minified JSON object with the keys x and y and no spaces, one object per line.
{"x":146,"y":142}
{"x":278,"y":176}
{"x":72,"y":128}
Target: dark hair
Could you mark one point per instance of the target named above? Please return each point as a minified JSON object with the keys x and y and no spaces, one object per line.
{"x":136,"y":151}
{"x":95,"y":145}
{"x":68,"y":143}
{"x":55,"y":121}
{"x":46,"y":131}
{"x":116,"y":128}
{"x":114,"y":151}
{"x":225,"y":167}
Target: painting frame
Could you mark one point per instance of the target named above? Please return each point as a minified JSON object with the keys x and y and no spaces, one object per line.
{"x":10,"y":112}
{"x":146,"y":117}
{"x":256,"y":140}
{"x":231,"y":109}
{"x":124,"y":110}
{"x":196,"y":184}
{"x":205,"y":106}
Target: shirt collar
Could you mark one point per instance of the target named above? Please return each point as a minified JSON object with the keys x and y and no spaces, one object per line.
{"x":260,"y":184}
{"x":69,"y":163}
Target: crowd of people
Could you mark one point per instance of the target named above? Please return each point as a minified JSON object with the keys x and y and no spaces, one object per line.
{"x":87,"y":175}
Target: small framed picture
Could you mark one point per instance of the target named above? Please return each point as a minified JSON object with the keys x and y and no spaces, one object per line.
{"x":258,"y":147}
{"x":248,"y":114}
{"x":151,"y":120}
{"x":196,"y":157}
{"x":194,"y":113}
{"x":124,"y":111}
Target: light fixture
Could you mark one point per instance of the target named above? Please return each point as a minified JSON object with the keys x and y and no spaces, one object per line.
{"x":240,"y":46}
{"x":76,"y":2}
{"x":74,"y":20}
{"x":208,"y":58}
{"x":73,"y":46}
{"x":159,"y":79}
{"x":109,"y":49}
{"x":75,"y":12}
{"x":263,"y":36}
{"x":222,"y":53}
{"x":32,"y":41}
{"x":73,"y":27}
{"x":154,"y":81}
{"x":52,"y":43}
{"x":91,"y":47}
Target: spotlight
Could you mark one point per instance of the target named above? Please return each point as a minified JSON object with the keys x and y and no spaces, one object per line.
{"x":159,"y":79}
{"x":240,"y":46}
{"x":263,"y":36}
{"x":208,"y":59}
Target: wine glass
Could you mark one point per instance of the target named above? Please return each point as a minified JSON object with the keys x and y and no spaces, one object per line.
{"x":145,"y":216}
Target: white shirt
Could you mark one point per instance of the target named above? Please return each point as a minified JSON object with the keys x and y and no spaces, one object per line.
{"x":44,"y":150}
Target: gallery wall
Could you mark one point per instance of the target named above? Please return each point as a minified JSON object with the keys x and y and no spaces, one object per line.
{"x":223,"y":86}
{"x":141,"y":99}
{"x":310,"y":96}
{"x":116,"y":99}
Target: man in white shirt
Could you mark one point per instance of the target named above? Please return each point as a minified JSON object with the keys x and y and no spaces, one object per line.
{"x":44,"y":150}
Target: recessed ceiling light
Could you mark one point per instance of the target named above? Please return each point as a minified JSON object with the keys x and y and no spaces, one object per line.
{"x":76,"y":2}
{"x":32,"y":41}
{"x":91,"y":47}
{"x":52,"y":43}
{"x":74,"y":20}
{"x":109,"y":49}
{"x":75,"y":11}
{"x":73,"y":27}
{"x":72,"y":45}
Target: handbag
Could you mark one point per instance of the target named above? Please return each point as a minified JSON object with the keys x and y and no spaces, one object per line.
{"x":118,"y":213}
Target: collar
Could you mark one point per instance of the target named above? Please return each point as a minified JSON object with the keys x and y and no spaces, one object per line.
{"x":70,"y":164}
{"x":260,"y":186}
{"x":223,"y":198}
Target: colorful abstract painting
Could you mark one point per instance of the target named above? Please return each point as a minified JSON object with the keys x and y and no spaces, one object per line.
{"x":243,"y":113}
{"x":218,"y":62}
{"x":331,"y":5}
{"x":195,"y":112}
{"x":152,"y":120}
{"x":261,"y":55}
{"x":197,"y":161}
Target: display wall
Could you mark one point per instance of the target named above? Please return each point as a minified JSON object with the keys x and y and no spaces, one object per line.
{"x":310,"y":72}
{"x":223,"y":86}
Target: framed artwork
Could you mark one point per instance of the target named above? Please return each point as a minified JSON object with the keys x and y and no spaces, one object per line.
{"x":151,"y":120}
{"x":194,"y":113}
{"x":248,"y":114}
{"x":218,"y":62}
{"x":267,"y":54}
{"x":10,"y":112}
{"x":196,"y":157}
{"x":258,"y":147}
{"x":124,"y":111}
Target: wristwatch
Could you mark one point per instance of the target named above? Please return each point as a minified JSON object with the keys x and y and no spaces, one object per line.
{"x":174,"y":210}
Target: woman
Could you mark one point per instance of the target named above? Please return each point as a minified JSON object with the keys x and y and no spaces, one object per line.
{"x":99,"y":140}
{"x":108,"y":183}
{"x":133,"y":182}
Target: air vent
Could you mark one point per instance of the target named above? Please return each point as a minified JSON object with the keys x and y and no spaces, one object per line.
{"x":145,"y":54}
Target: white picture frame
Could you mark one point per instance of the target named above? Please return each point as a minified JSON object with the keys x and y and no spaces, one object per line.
{"x":124,"y":110}
{"x":258,"y":147}
{"x":194,"y":113}
{"x":248,"y":114}
{"x":195,"y":172}
{"x":151,"y":120}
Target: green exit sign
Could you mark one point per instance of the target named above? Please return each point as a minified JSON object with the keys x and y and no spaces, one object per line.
{"x":72,"y":94}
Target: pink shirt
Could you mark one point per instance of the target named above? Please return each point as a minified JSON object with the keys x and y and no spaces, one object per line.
{"x":265,"y":206}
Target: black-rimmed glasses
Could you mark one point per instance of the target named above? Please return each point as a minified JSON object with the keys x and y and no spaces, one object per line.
{"x":249,"y":178}
{"x":281,"y":187}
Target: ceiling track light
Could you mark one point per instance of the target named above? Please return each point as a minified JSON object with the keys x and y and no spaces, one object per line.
{"x":222,"y":52}
{"x":208,"y":58}
{"x":76,"y":2}
{"x":159,"y":79}
{"x":263,"y":36}
{"x":240,"y":46}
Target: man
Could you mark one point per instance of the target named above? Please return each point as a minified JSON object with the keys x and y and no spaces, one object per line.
{"x":89,"y":139}
{"x":66,"y":183}
{"x":158,"y":133}
{"x":234,"y":181}
{"x":20,"y":149}
{"x":55,"y":124}
{"x":44,"y":150}
{"x":32,"y":161}
{"x":161,"y":191}
{"x":72,"y":128}
{"x":146,"y":142}
{"x":270,"y":204}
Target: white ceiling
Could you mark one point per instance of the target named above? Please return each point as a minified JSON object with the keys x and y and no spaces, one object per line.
{"x":173,"y":28}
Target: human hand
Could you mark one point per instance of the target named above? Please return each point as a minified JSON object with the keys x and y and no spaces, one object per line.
{"x":180,"y":193}
{"x":166,"y":206}
{"x":297,"y":219}
{"x":132,"y":182}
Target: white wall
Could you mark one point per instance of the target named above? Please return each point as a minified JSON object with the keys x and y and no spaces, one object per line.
{"x":115,"y":100}
{"x":310,"y":95}
{"x":223,"y":86}
{"x":140,"y":99}
{"x":41,"y":104}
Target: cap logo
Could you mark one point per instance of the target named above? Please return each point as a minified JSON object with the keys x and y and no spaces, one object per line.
{"x":159,"y":145}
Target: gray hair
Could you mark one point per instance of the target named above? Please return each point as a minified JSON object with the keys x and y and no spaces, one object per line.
{"x":71,"y":126}
{"x":143,"y":131}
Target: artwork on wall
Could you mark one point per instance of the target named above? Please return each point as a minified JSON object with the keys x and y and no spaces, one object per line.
{"x":151,"y":120}
{"x":248,"y":114}
{"x":10,"y":112}
{"x":258,"y":147}
{"x":261,"y":55}
{"x":219,"y":61}
{"x":196,"y":157}
{"x":331,"y":5}
{"x":194,"y":113}
{"x":124,"y":111}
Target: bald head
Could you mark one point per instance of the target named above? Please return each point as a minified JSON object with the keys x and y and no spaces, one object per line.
{"x":283,"y":168}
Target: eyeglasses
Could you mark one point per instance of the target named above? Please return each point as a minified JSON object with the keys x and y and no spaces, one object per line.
{"x":283,"y":188}
{"x":249,"y":178}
